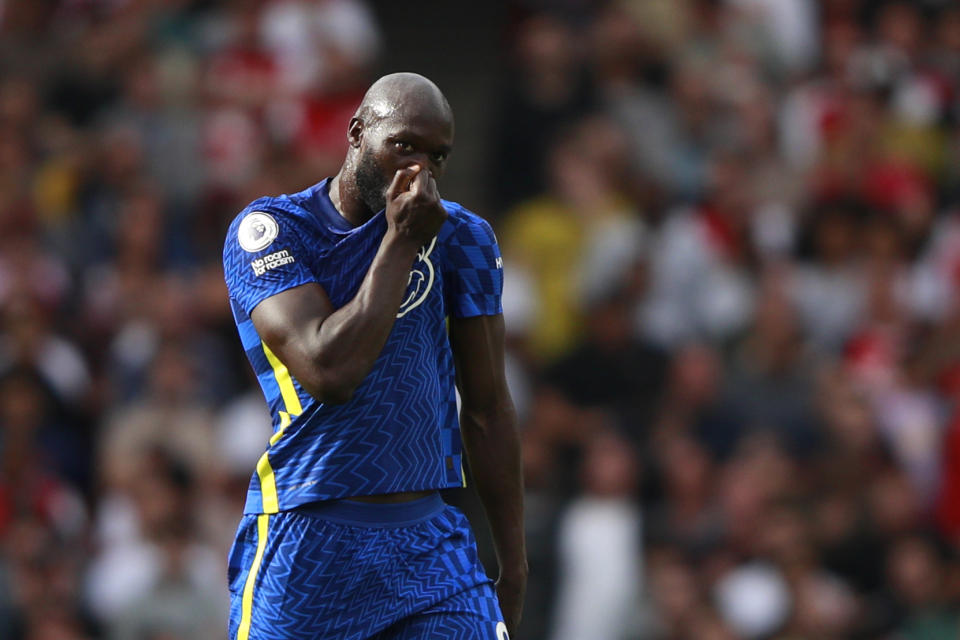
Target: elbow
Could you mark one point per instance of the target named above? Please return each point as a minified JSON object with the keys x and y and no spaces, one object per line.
{"x":332,"y":389}
{"x":331,"y":395}
{"x":336,"y":396}
{"x":487,"y":417}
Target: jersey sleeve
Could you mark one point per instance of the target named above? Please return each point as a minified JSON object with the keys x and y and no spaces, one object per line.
{"x":474,"y":270}
{"x":262,"y":256}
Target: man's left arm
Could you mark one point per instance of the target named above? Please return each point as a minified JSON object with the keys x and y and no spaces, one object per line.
{"x":489,"y":430}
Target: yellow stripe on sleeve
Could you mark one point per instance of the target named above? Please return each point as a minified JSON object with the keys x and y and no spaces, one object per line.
{"x":246,"y":603}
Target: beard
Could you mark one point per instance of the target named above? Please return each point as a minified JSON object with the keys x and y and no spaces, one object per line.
{"x":372,"y":184}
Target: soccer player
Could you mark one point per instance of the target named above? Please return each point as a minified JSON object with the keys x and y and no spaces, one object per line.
{"x":361,"y":302}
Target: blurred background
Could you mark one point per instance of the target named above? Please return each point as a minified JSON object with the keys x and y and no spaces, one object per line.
{"x":732,"y":243}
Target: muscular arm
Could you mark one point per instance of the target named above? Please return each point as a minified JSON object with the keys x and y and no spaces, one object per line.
{"x":330,"y":351}
{"x":488,"y":426}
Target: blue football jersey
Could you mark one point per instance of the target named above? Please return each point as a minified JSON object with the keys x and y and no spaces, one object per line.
{"x":400,"y":431}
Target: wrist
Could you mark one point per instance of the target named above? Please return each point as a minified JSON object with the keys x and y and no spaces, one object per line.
{"x":399,"y":241}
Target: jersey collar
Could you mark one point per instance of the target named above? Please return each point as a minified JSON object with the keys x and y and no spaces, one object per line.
{"x":328,"y":213}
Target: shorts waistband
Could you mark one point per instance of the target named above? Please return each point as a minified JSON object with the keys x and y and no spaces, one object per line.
{"x":369,"y":514}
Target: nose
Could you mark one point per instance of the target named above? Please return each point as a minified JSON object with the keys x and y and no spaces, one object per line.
{"x":421,"y":159}
{"x":424,"y":163}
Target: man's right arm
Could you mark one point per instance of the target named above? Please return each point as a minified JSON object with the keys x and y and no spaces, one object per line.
{"x":330,"y":351}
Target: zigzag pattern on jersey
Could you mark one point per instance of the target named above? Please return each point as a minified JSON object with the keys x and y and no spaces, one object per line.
{"x":319,"y":578}
{"x":400,"y":432}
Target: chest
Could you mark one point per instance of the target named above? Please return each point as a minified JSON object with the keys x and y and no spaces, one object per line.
{"x":341,"y":264}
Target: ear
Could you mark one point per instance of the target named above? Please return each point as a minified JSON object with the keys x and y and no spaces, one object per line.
{"x":355,"y":132}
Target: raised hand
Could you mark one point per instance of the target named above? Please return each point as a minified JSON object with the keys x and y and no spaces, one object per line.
{"x":414,"y":210}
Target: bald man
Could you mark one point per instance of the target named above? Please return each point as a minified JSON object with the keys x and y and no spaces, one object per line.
{"x":363,"y":303}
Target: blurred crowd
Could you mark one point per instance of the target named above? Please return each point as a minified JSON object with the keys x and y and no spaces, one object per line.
{"x":733,"y":307}
{"x":731,"y":232}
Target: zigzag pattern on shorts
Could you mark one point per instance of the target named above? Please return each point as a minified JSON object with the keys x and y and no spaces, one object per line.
{"x":323,"y":579}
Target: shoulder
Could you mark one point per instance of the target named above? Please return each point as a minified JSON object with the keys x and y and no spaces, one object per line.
{"x":265,"y":220}
{"x":264,"y":251}
{"x":284,"y":209}
{"x":464,"y":225}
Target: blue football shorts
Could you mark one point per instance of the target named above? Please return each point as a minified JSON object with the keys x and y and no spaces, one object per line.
{"x":357,"y":571}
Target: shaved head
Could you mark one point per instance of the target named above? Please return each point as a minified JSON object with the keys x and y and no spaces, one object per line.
{"x":403,"y":120}
{"x":403,"y":95}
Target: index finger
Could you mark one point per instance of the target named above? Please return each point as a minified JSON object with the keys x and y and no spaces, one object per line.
{"x":421,"y":181}
{"x":431,"y":187}
{"x":401,"y":180}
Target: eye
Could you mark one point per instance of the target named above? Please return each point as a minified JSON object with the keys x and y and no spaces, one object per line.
{"x":439,"y":157}
{"x":403,"y":147}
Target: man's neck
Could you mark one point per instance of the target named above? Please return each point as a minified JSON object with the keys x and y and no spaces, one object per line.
{"x":345,"y":199}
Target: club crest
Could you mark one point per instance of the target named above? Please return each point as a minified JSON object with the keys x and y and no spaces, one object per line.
{"x":420,"y":280}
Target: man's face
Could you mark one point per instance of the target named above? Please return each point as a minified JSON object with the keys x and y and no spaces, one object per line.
{"x":398,"y":142}
{"x":372,"y":180}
